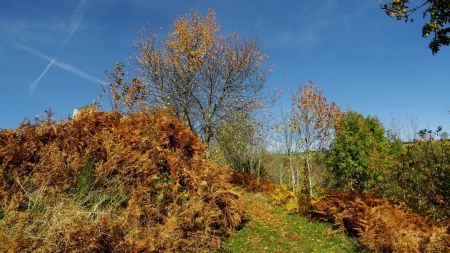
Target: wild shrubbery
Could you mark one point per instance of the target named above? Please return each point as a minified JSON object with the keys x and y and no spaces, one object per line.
{"x":251,"y":182}
{"x":108,"y":182}
{"x":362,"y":157}
{"x":422,"y":175}
{"x":380,"y":225}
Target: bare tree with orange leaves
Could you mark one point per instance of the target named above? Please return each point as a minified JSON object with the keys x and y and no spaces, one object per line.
{"x":198,"y":75}
{"x":313,"y":120}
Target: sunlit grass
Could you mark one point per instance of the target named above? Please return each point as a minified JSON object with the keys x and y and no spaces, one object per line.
{"x":271,"y":229}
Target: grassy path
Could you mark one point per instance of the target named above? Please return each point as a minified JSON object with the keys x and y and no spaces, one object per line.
{"x":272,"y":229}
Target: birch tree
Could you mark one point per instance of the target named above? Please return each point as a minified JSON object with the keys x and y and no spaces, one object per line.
{"x":285,"y":136}
{"x":313,"y":120}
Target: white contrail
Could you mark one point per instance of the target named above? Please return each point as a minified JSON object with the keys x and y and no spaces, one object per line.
{"x":38,"y":79}
{"x":78,"y":72}
{"x":77,"y":18}
{"x":52,"y":61}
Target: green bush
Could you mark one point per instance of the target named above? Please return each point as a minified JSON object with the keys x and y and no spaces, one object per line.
{"x":359,"y":153}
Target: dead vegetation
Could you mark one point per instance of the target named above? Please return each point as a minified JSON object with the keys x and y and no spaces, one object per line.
{"x":106,"y":182}
{"x":251,"y":182}
{"x":380,"y":225}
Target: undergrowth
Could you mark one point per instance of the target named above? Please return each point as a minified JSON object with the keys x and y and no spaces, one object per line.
{"x":380,"y":225}
{"x":106,"y":182}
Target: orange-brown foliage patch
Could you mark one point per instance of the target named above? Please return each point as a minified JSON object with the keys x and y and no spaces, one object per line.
{"x":251,"y":182}
{"x":106,"y":182}
{"x":380,"y":225}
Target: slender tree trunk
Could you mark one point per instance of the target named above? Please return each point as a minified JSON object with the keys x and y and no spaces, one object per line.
{"x":259,"y":167}
{"x":308,"y":168}
{"x":281,"y":174}
{"x":292,"y":171}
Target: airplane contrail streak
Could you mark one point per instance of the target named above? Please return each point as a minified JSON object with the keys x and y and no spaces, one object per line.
{"x":38,"y":79}
{"x":77,"y":18}
{"x":52,"y":61}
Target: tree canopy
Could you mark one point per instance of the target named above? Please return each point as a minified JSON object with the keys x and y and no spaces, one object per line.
{"x":435,"y":12}
{"x":199,"y":75}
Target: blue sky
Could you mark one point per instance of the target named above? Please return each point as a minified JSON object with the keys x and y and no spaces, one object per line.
{"x":55,"y":53}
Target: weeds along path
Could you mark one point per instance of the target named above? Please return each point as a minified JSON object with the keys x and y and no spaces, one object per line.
{"x":272,"y":229}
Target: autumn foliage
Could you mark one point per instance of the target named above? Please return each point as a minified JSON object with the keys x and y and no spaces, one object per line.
{"x":250,"y":182}
{"x":380,"y":225}
{"x":106,"y":182}
{"x":201,"y":75}
{"x":313,"y":122}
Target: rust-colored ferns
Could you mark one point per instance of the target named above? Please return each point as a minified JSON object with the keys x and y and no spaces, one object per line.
{"x":108,"y":182}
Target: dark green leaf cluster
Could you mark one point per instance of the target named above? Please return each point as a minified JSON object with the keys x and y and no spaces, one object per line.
{"x":437,"y":13}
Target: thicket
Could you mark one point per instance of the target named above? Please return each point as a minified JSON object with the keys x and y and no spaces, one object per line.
{"x":241,"y":144}
{"x":380,"y":225}
{"x":421,"y":176}
{"x":363,"y":156}
{"x":107,"y":182}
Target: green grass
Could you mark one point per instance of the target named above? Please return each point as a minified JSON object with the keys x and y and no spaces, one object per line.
{"x":272,"y":229}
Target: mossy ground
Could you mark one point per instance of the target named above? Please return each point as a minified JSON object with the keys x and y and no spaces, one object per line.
{"x":272,"y":229}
